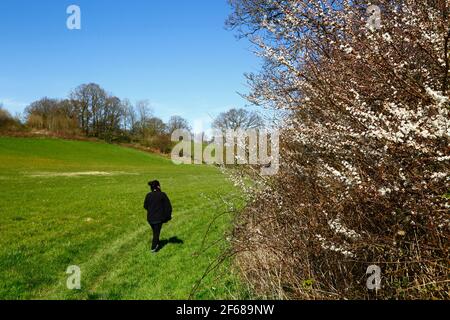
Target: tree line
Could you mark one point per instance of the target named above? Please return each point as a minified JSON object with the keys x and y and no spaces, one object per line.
{"x":90,"y":111}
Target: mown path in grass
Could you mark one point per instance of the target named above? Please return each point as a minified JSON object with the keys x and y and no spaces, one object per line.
{"x":78,"y":203}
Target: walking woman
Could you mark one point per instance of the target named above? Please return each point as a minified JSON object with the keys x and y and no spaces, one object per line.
{"x":159,"y":211}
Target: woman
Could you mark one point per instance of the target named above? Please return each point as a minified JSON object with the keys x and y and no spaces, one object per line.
{"x":159,"y":211}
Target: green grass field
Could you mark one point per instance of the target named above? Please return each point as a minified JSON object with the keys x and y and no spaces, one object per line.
{"x":80,"y":203}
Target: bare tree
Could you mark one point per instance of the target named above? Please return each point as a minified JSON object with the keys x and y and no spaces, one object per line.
{"x":238,"y":119}
{"x":144,"y":112}
{"x":111,"y":118}
{"x":90,"y":100}
{"x":130,"y":116}
{"x":178,"y":123}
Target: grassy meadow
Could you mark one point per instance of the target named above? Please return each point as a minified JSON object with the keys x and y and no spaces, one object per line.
{"x":80,"y":203}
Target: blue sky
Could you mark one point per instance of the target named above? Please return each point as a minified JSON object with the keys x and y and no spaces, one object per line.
{"x":175,"y":53}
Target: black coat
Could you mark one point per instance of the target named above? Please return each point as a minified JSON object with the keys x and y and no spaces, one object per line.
{"x":158,"y":206}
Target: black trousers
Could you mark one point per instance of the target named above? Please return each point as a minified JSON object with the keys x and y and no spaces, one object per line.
{"x":156,"y":228}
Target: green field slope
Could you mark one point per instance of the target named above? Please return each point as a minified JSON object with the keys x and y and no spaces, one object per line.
{"x":78,"y":203}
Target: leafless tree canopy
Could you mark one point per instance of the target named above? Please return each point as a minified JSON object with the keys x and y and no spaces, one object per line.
{"x":178,"y":123}
{"x":238,"y":119}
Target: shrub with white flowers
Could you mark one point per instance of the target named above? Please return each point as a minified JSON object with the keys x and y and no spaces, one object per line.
{"x":365,"y":150}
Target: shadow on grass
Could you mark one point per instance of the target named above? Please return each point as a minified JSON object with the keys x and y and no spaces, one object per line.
{"x":173,"y":240}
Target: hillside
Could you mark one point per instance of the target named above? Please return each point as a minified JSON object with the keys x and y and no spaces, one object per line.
{"x":80,"y":203}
